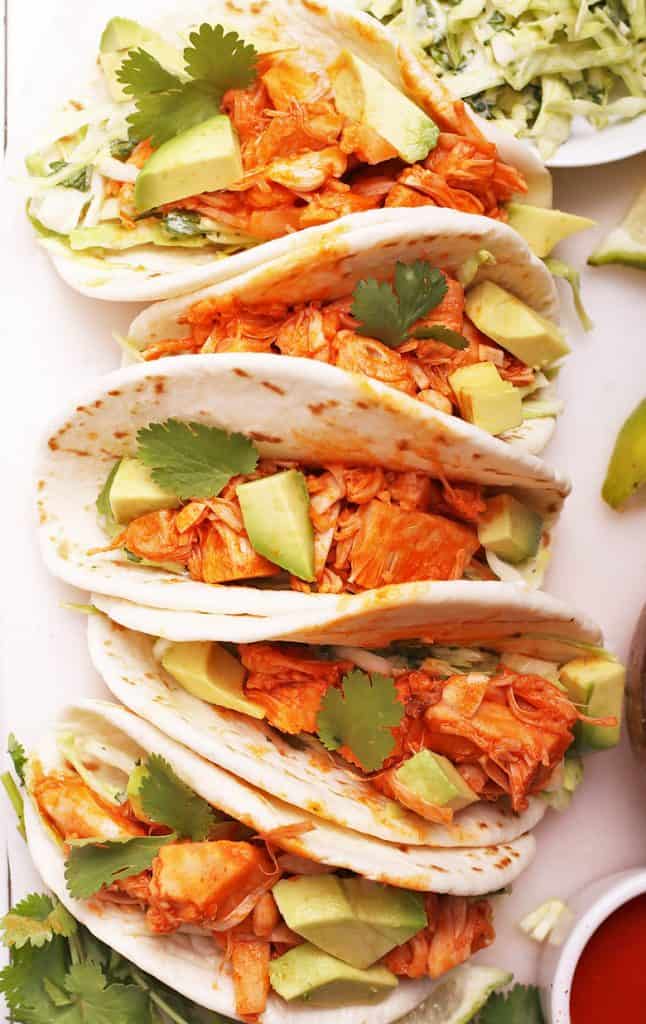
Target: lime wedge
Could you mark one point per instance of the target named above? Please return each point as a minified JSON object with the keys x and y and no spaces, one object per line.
{"x":627,"y":468}
{"x":627,"y":243}
{"x":459,"y":995}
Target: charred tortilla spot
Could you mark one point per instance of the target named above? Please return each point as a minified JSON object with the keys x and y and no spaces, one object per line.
{"x":272,"y":387}
{"x":267,"y":438}
{"x":241,"y":373}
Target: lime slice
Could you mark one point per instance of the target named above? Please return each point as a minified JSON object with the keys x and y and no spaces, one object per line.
{"x":627,"y":243}
{"x":457,"y":997}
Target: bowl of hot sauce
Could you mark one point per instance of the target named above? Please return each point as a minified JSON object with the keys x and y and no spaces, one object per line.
{"x":597,"y":976}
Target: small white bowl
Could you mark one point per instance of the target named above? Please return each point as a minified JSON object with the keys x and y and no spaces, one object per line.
{"x":591,"y":907}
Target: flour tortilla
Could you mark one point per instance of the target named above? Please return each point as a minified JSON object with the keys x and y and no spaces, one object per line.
{"x":297,"y":770}
{"x":324,"y":29}
{"x":293,"y":409}
{"x":328,"y":263}
{"x":190,"y":963}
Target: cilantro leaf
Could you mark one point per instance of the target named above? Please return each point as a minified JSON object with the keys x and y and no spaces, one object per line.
{"x":183,"y":223}
{"x":166,"y":800}
{"x":96,"y":863}
{"x":101,"y":1003}
{"x":192,"y":460}
{"x":141,"y":73}
{"x":441,"y":333}
{"x":81,"y":180}
{"x":387,"y":312}
{"x":23,"y":982}
{"x":361,"y":718}
{"x":166,"y":104}
{"x":521,"y":1005}
{"x":17,"y":754}
{"x":220,"y":61}
{"x":36,"y":920}
{"x":162,"y":115}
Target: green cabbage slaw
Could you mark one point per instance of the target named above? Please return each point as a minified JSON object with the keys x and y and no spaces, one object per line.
{"x":532,"y":65}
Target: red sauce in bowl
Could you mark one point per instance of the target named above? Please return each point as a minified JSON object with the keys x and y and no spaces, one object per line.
{"x":610,"y":979}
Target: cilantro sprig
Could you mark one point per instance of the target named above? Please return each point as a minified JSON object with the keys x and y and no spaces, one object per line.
{"x":18,"y":756}
{"x":167,"y":104}
{"x":361,"y":717}
{"x":521,"y":1005}
{"x":166,"y":800}
{"x":19,"y":759}
{"x":193,"y":460}
{"x":95,"y":863}
{"x":60,"y":974}
{"x":388,"y":312}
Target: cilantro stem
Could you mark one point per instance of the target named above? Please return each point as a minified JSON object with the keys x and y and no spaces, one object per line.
{"x":15,"y":799}
{"x":155,"y":998}
{"x":77,"y":953}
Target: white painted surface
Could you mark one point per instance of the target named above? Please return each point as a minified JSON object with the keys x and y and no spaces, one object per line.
{"x":54,"y":340}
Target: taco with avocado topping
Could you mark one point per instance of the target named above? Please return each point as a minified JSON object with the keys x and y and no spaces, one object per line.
{"x":452,"y":734}
{"x":237,"y":901}
{"x":237,"y":125}
{"x":251,"y":484}
{"x":449,"y":308}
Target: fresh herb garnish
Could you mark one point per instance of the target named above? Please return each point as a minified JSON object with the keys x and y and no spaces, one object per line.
{"x":64,"y":975}
{"x":95,"y":863}
{"x":183,"y":223}
{"x":521,"y":1005}
{"x":80,"y":180}
{"x":167,"y":104}
{"x":444,"y":334}
{"x":166,"y":800}
{"x":121,"y":149}
{"x":361,"y":717}
{"x":497,"y":21}
{"x":17,"y":754}
{"x":193,"y":460}
{"x":388,"y":313}
{"x":103,"y":506}
{"x":35,"y":921}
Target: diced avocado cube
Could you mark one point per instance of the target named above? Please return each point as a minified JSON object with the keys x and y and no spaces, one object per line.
{"x":353,"y":919}
{"x":204,"y":158}
{"x":542,"y":228}
{"x":134,"y":492}
{"x":433,"y":778}
{"x":510,"y":529}
{"x":485,"y":399}
{"x":276,"y":514}
{"x":210,"y":672}
{"x":529,"y":336}
{"x":308,"y":973}
{"x":122,"y":33}
{"x":363,"y":94}
{"x":596,"y":685}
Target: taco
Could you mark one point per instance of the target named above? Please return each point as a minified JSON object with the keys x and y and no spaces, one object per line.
{"x":196,"y":143}
{"x":258,"y":485}
{"x":446,"y":307}
{"x":238,"y":902}
{"x":456,"y":739}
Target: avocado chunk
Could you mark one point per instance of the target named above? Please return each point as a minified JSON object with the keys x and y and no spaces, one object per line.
{"x":205,"y":158}
{"x":596,"y":686}
{"x":363,"y":94}
{"x":510,"y":529}
{"x":542,"y":229}
{"x":485,"y":399}
{"x":433,"y":778}
{"x":122,"y":35}
{"x":509,"y":321}
{"x":308,"y":973}
{"x":209,"y":672}
{"x":276,"y":514}
{"x":353,"y":919}
{"x":627,"y":467}
{"x":134,"y":492}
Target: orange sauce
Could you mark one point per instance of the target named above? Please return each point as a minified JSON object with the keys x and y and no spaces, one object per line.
{"x":610,"y":980}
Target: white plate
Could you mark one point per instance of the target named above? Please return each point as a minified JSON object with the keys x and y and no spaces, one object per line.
{"x":588,"y":146}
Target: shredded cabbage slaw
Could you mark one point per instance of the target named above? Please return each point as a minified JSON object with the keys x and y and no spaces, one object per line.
{"x":532,"y":65}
